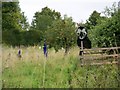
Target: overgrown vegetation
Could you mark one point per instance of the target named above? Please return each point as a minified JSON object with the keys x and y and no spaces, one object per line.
{"x":59,"y":32}
{"x":33,"y":70}
{"x":104,"y":31}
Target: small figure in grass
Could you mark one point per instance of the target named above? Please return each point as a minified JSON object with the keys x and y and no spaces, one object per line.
{"x":45,"y":49}
{"x":19,"y":53}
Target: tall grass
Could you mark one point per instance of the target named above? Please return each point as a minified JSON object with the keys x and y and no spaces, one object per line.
{"x":0,"y":66}
{"x":33,"y":70}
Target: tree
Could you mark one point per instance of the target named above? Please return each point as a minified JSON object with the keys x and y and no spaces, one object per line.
{"x":13,"y":22}
{"x":43,"y":20}
{"x":93,"y":20}
{"x":106,"y":33}
{"x":10,"y":16}
{"x":110,"y":11}
{"x":24,"y":23}
{"x":61,"y":34}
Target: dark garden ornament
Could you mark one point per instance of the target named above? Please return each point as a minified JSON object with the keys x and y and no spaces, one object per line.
{"x":81,"y":32}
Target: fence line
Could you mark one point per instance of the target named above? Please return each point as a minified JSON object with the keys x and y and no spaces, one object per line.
{"x":109,"y":48}
{"x":101,"y":54}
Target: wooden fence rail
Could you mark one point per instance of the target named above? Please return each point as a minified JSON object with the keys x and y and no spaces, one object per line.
{"x":109,"y":48}
{"x":101,"y":55}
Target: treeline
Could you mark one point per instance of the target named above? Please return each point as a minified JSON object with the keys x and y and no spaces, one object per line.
{"x":59,"y":32}
{"x":104,"y":31}
{"x":47,"y":25}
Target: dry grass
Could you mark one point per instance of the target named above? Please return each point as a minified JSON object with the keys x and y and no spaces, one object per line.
{"x":56,"y":71}
{"x":34,"y":54}
{"x":0,"y":66}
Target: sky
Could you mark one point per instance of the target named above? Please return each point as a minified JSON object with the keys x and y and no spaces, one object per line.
{"x":79,"y":10}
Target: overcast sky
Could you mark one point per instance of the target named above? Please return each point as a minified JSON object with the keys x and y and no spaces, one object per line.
{"x":79,"y":10}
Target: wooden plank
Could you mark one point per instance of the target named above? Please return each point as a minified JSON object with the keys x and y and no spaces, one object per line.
{"x":100,"y":50}
{"x":94,"y":49}
{"x":92,"y":57}
{"x":102,"y":63}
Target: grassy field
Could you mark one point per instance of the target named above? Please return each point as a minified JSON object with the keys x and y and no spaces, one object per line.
{"x":33,"y":70}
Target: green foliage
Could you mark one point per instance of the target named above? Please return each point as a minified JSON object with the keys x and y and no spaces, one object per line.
{"x":10,"y":16}
{"x":44,"y":19}
{"x":47,"y":24}
{"x":110,"y":11}
{"x":0,"y":23}
{"x":61,"y":34}
{"x":13,"y":22}
{"x":30,"y":38}
{"x":106,"y":33}
{"x":11,"y":37}
{"x":24,"y":23}
{"x":93,"y":18}
{"x":57,"y":31}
